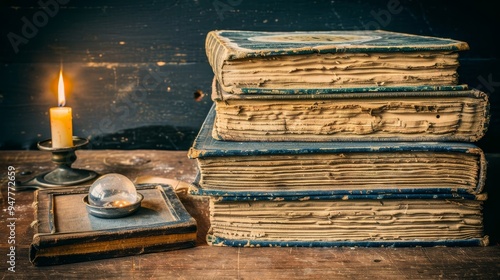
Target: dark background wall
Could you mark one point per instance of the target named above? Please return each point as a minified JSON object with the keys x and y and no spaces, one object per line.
{"x":135,"y":67}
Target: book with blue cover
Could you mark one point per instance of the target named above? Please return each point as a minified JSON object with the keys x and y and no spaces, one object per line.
{"x":255,"y":62}
{"x":394,"y":220}
{"x":341,"y":138}
{"x":273,"y":169}
{"x":426,"y":115}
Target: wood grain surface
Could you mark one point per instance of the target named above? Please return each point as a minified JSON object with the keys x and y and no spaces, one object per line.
{"x":207,"y":262}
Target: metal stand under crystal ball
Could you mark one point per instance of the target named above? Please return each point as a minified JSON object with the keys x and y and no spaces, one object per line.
{"x":63,"y":174}
{"x":112,"y":196}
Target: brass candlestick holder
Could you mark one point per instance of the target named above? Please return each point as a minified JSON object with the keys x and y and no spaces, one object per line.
{"x":64,"y":174}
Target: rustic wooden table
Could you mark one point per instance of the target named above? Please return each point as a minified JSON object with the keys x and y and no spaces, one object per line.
{"x":207,"y":262}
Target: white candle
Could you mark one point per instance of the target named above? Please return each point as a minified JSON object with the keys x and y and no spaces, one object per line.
{"x":61,"y":120}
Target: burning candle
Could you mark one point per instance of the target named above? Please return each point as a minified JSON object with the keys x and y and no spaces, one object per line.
{"x":61,"y":120}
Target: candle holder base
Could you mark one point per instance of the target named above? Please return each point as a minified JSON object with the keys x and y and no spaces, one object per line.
{"x":64,"y":174}
{"x":63,"y":177}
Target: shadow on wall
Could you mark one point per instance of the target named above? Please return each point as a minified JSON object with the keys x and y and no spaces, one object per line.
{"x":491,"y":205}
{"x":148,"y":137}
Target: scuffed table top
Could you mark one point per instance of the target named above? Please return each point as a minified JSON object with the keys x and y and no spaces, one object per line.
{"x":207,"y":262}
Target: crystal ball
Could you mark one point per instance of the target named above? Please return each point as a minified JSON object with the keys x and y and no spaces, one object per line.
{"x":112,"y":190}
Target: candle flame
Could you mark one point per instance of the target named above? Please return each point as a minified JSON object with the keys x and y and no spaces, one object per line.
{"x":60,"y":91}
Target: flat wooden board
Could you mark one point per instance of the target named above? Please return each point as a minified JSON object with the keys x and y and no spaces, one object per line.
{"x":71,"y":214}
{"x":65,"y":232}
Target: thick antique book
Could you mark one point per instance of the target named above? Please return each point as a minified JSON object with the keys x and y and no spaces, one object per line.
{"x":65,"y":233}
{"x":323,"y":168}
{"x":444,"y":115}
{"x":325,"y":61}
{"x":394,"y":220}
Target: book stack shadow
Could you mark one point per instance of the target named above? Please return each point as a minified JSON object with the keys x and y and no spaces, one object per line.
{"x":341,"y":138}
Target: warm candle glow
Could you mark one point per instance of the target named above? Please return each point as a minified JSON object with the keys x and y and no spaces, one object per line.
{"x":120,"y":203}
{"x":60,"y":91}
{"x":61,"y":119}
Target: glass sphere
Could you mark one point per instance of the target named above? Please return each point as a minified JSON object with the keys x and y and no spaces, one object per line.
{"x":112,"y":190}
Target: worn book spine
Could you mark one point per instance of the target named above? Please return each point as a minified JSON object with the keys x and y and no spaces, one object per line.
{"x":455,"y":115}
{"x":205,"y":145}
{"x":354,"y":220}
{"x":249,"y":193}
{"x":231,"y":242}
{"x":247,"y":55}
{"x":217,"y":52}
{"x":343,"y":173}
{"x":228,"y":168}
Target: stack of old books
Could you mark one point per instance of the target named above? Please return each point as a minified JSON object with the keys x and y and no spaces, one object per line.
{"x":346,"y":138}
